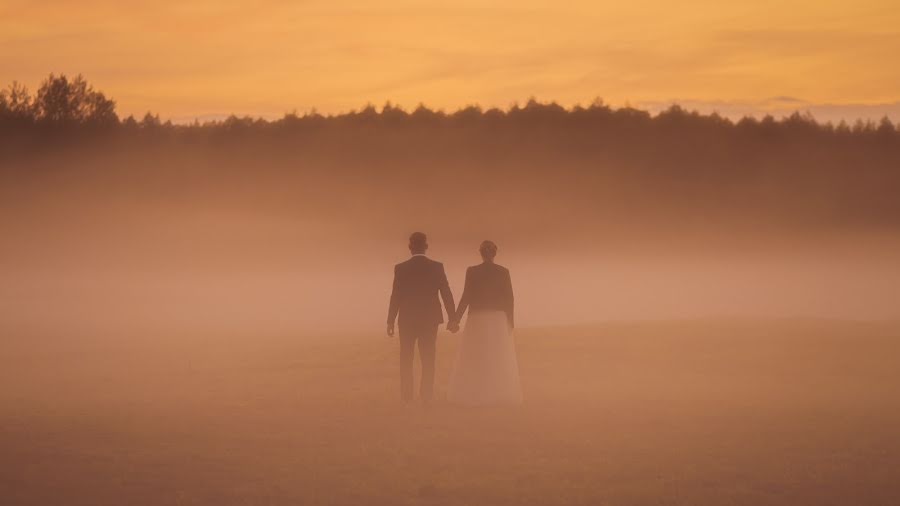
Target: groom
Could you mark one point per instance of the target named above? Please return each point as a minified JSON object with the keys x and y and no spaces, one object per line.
{"x":417,"y":283}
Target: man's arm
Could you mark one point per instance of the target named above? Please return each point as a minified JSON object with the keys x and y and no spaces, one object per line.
{"x":447,"y":295}
{"x":394,"y":306}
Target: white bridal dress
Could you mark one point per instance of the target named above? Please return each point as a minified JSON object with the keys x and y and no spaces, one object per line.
{"x":486,"y":370}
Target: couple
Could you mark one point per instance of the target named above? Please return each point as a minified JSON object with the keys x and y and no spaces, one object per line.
{"x":486,"y":370}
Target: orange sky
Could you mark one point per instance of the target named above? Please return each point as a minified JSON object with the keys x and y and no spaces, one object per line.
{"x":210,"y":57}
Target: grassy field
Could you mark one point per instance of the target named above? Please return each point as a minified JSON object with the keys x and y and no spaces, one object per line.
{"x":681,"y":413}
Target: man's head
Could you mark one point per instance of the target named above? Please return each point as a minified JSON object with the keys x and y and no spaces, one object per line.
{"x":418,"y":243}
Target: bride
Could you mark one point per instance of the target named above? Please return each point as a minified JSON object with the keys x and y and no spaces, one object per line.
{"x":486,"y":370}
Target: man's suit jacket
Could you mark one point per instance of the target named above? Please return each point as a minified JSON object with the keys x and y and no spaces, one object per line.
{"x":417,"y":284}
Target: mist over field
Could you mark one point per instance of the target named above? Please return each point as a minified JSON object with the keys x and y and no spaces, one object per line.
{"x":204,"y":249}
{"x":706,"y":310}
{"x":600,"y":213}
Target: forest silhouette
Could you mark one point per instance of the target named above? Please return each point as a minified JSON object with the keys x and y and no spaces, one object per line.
{"x":581,"y":171}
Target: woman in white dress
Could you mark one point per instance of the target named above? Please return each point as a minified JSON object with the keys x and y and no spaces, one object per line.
{"x":486,"y":370}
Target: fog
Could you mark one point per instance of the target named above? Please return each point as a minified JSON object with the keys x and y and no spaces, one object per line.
{"x":196,"y":315}
{"x":601,"y":214}
{"x":194,"y":242}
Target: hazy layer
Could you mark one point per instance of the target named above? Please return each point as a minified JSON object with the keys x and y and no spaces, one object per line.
{"x":196,"y":238}
{"x":680,"y":413}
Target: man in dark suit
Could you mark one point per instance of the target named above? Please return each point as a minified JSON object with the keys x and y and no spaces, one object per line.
{"x":417,"y":283}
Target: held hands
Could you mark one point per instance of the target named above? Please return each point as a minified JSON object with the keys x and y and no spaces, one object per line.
{"x":452,"y":326}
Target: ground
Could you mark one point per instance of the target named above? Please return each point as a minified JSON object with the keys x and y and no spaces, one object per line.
{"x":680,"y":413}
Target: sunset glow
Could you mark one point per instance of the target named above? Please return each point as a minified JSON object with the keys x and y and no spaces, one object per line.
{"x":186,"y":59}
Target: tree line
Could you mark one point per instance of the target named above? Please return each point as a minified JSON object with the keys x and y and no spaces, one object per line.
{"x":62,"y":103}
{"x":593,"y":162}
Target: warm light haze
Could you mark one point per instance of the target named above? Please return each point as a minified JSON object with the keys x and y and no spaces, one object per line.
{"x":188,"y":59}
{"x":433,"y":253}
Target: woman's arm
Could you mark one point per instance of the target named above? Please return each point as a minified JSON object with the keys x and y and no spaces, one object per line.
{"x":510,"y":301}
{"x":464,"y":300}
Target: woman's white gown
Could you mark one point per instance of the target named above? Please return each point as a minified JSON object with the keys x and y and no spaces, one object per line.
{"x":486,"y":370}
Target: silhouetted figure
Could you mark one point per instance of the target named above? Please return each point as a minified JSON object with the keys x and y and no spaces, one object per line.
{"x":417,"y":283}
{"x":486,"y":370}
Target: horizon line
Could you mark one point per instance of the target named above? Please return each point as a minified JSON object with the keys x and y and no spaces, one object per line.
{"x":779,"y":108}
